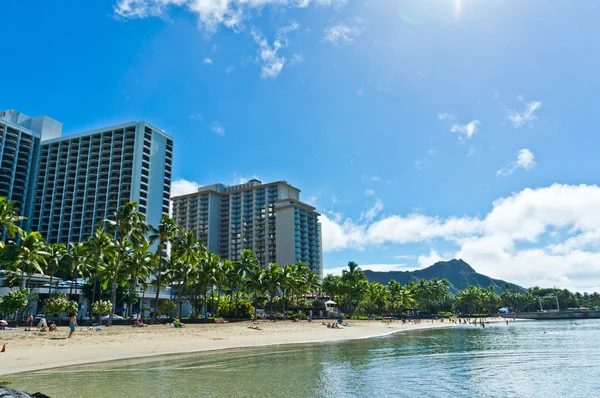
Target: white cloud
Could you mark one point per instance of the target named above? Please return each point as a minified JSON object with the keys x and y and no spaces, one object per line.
{"x":403,"y":257}
{"x":430,"y":259}
{"x":518,"y":119}
{"x":183,"y":187}
{"x":196,"y":116}
{"x":525,"y":160}
{"x":342,"y":33}
{"x":466,"y":129}
{"x":334,"y":199}
{"x":229,"y":69}
{"x":238,"y":179}
{"x":373,"y":211}
{"x":446,"y":116}
{"x":372,"y":267}
{"x":272,"y":61}
{"x":296,"y":59}
{"x":312,"y":199}
{"x":376,"y":178}
{"x":510,"y":242}
{"x":217,"y":128}
{"x":369,"y":192}
{"x":207,"y":61}
{"x":212,"y":14}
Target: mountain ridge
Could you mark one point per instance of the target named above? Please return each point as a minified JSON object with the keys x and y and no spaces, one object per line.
{"x":457,"y":271}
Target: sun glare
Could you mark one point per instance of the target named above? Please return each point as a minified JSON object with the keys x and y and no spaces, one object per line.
{"x":457,"y":7}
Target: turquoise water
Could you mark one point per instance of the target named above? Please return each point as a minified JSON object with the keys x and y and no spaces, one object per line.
{"x":523,"y":359}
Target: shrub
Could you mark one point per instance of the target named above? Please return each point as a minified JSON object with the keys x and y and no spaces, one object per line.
{"x":166,"y":307}
{"x":14,"y":301}
{"x":227,"y":310}
{"x":101,"y":307}
{"x":58,"y":303}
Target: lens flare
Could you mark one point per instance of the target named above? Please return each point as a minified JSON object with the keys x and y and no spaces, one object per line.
{"x":457,"y":7}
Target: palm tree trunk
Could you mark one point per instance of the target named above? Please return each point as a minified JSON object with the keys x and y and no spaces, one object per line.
{"x":218,"y":299}
{"x":113,"y":299}
{"x":158,"y":278}
{"x":141,"y":315}
{"x":178,"y":315}
{"x":235,"y":304}
{"x":50,"y":287}
{"x":130,"y":304}
{"x":72,"y":282}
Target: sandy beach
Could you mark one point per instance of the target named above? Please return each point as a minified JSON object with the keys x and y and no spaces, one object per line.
{"x":28,"y":351}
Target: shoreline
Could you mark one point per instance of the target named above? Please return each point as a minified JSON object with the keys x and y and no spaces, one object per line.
{"x":33,"y":357}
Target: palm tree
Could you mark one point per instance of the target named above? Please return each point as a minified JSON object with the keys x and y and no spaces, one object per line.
{"x":254,"y":282}
{"x":31,"y":257}
{"x":395,"y":290}
{"x":100,"y":248}
{"x":129,"y":227}
{"x":186,"y":251}
{"x":56,"y":254}
{"x":355,"y":282}
{"x":167,"y":230}
{"x":139,"y":264}
{"x":78,"y":257}
{"x":272,"y":283}
{"x":332,"y":285}
{"x":213,"y":267}
{"x":9,"y":219}
{"x":288,"y":280}
{"x":32,"y":254}
{"x":239,"y":274}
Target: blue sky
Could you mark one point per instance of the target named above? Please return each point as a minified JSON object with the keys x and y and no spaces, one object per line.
{"x":421,"y":130}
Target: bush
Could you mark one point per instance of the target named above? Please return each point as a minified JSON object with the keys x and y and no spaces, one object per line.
{"x":59,"y":303}
{"x":101,"y":307}
{"x":227,"y":310}
{"x":445,"y":314}
{"x":166,"y":307}
{"x":13,"y":301}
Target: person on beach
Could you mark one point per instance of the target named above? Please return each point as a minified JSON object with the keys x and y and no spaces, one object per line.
{"x":52,"y":327}
{"x":72,"y":324}
{"x":29,"y":322}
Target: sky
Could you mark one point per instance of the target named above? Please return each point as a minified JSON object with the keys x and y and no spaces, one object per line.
{"x":421,"y":130}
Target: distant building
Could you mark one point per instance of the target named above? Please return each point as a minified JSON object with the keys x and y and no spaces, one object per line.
{"x":267,"y":218}
{"x":20,"y":137}
{"x":71,"y":183}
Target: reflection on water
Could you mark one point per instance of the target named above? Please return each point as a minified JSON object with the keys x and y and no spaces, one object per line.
{"x":528,"y":359}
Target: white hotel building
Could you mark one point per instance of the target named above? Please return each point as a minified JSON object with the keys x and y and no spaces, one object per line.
{"x":268,"y":219}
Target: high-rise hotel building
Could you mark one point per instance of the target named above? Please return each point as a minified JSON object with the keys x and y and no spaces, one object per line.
{"x":20,"y":137}
{"x":78,"y":180}
{"x":268,"y":218}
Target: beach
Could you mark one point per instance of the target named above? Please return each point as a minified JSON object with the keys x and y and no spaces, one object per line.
{"x":29,"y":351}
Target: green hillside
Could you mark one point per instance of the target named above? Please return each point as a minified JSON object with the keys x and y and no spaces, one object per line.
{"x":457,"y":272}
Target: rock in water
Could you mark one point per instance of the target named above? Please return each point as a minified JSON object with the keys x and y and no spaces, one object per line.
{"x":6,"y":392}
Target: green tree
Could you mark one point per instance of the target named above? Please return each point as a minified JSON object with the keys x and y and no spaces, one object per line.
{"x":57,"y":254}
{"x":139,"y":265}
{"x":100,"y":248}
{"x":14,"y":301}
{"x":101,"y":307}
{"x":186,"y":253}
{"x":272,"y":283}
{"x":128,"y":226}
{"x":166,"y":307}
{"x":166,"y":231}
{"x":9,"y":219}
{"x":355,"y":284}
{"x":59,"y":303}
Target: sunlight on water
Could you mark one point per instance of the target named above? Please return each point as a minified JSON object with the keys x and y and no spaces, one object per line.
{"x":518,"y":360}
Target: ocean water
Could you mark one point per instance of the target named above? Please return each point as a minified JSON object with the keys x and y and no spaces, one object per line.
{"x":522,"y":359}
